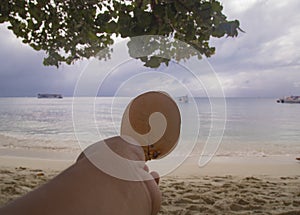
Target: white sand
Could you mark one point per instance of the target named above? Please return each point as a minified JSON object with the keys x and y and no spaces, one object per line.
{"x":252,"y":185}
{"x":239,"y":166}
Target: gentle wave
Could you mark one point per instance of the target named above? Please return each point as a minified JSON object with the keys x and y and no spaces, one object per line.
{"x":13,"y":142}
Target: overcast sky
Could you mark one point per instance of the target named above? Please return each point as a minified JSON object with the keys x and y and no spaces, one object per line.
{"x":263,"y":62}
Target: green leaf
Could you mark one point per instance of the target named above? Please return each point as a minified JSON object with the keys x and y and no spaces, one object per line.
{"x":216,"y":6}
{"x":60,"y":28}
{"x":154,"y":62}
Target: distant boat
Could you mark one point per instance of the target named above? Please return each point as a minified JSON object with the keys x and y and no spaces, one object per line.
{"x":49,"y":96}
{"x":184,"y":99}
{"x":289,"y":100}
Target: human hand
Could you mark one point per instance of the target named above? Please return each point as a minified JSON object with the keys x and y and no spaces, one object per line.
{"x":139,"y":189}
{"x":83,"y":188}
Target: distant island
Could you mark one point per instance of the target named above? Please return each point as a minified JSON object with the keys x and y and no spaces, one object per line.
{"x":49,"y":96}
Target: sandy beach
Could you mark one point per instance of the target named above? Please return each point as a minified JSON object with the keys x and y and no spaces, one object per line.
{"x":266,"y":185}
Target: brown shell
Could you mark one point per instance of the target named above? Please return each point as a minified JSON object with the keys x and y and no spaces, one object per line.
{"x":138,"y":113}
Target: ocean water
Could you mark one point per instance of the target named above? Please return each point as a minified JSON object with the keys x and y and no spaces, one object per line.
{"x":252,"y":127}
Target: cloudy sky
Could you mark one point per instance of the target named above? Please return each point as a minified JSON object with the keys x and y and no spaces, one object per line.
{"x":263,"y":62}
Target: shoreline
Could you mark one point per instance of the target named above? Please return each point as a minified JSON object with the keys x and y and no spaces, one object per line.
{"x":275,"y":166}
{"x":40,"y":159}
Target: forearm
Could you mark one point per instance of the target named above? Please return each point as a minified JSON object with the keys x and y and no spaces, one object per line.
{"x":84,"y":189}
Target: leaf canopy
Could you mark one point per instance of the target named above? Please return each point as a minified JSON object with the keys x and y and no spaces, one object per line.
{"x":69,"y":30}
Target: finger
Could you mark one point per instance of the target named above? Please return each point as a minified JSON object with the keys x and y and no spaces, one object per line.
{"x":156,"y":177}
{"x":155,"y":194}
{"x":81,"y":156}
{"x":146,"y":168}
{"x":125,"y":149}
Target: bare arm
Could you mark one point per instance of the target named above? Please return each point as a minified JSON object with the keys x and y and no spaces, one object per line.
{"x":84,"y":189}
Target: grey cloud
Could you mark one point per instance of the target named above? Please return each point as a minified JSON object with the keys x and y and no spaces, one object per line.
{"x":264,"y":22}
{"x":265,"y":61}
{"x":22,"y":72}
{"x":268,"y":48}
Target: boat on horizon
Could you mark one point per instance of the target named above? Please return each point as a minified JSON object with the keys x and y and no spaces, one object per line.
{"x":49,"y":96}
{"x":289,"y":100}
{"x":184,"y":99}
